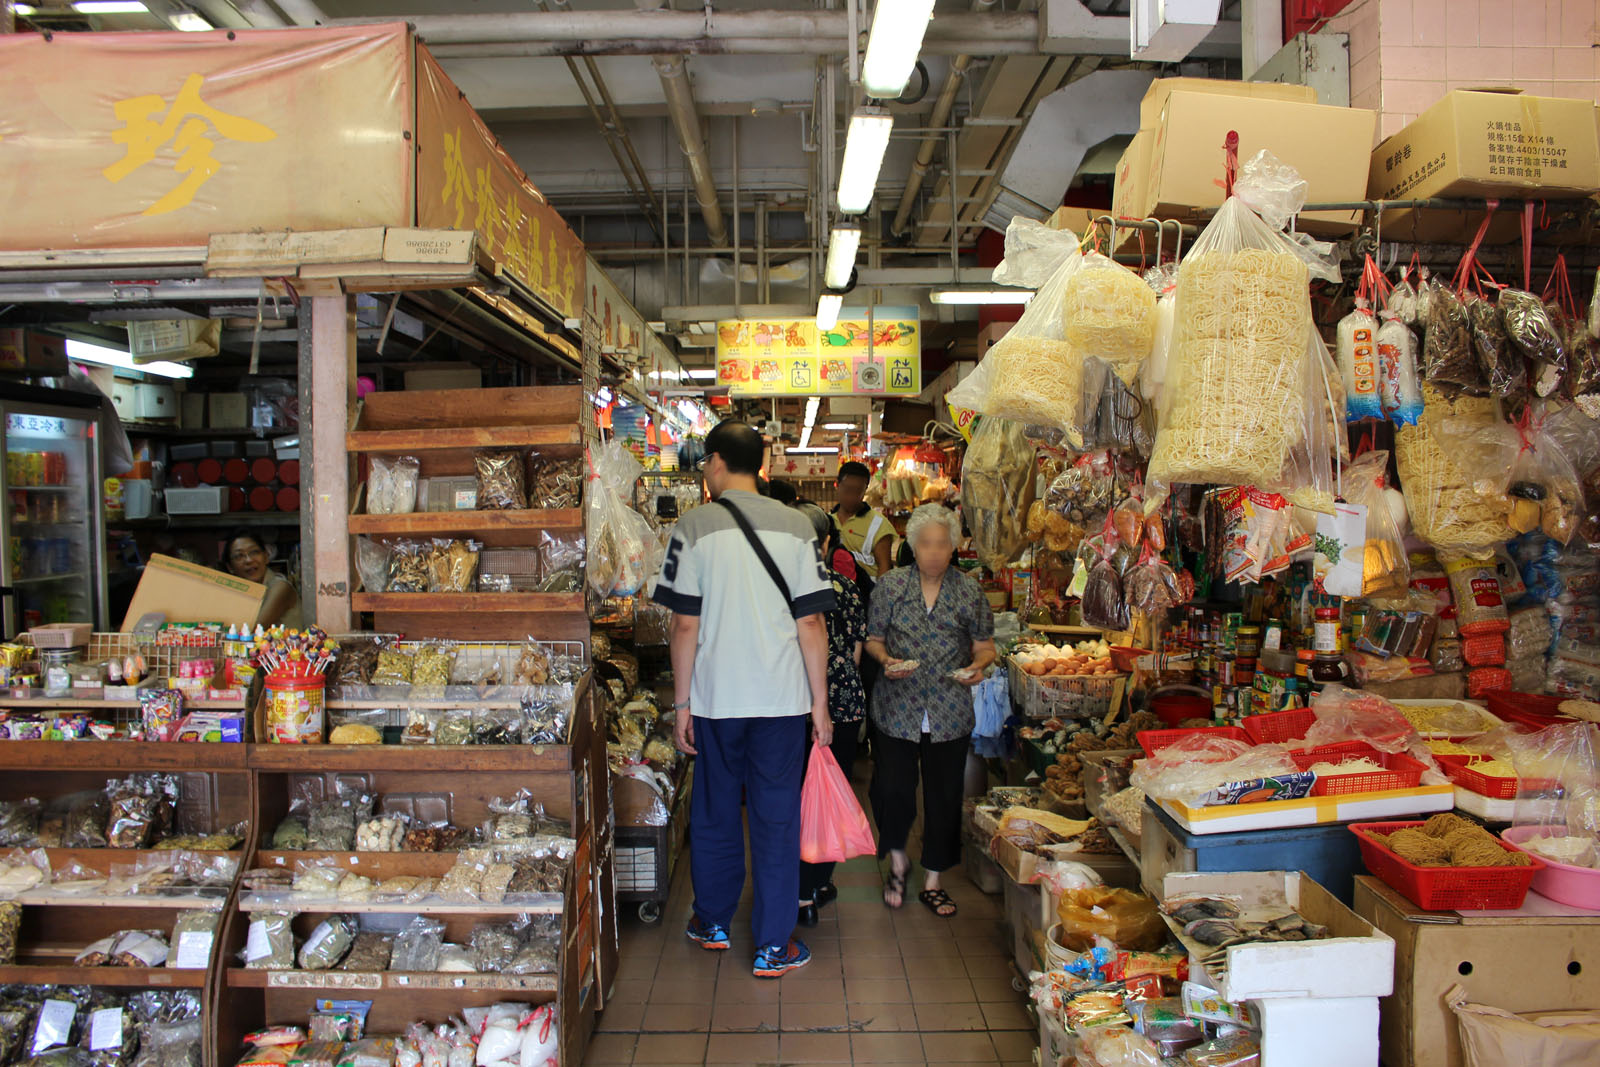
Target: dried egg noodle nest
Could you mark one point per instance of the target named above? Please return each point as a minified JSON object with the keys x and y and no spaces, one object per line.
{"x":1446,"y":509}
{"x":1038,"y":381}
{"x":1236,"y":383}
{"x":1109,"y":313}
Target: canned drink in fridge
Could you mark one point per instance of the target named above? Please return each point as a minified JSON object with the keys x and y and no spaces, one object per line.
{"x":33,"y":473}
{"x":16,"y":557}
{"x":60,"y":555}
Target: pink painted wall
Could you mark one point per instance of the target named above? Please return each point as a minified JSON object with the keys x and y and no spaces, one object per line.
{"x":1406,"y":54}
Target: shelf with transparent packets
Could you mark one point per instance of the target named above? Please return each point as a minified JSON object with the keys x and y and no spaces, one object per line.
{"x":432,"y":904}
{"x":246,"y":978}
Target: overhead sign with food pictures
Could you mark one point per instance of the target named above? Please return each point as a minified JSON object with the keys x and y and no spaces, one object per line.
{"x":880,"y":355}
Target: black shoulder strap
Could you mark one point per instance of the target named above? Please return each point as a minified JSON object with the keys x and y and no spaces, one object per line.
{"x":760,"y":549}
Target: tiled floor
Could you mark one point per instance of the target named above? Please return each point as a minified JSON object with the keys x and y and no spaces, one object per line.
{"x":883,"y":987}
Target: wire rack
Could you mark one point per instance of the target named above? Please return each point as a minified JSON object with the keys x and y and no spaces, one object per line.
{"x":161,"y":661}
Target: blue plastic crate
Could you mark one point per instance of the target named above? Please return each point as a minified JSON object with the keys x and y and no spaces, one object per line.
{"x":1328,"y":854}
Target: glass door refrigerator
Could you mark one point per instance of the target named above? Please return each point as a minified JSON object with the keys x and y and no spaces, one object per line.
{"x":51,"y":527}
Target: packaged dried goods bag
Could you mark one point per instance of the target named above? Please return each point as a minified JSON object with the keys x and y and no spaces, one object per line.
{"x":1110,"y":315}
{"x":1384,"y":569}
{"x":997,"y":485}
{"x":1442,"y":478}
{"x":1399,"y":388}
{"x":1241,"y":376}
{"x":623,"y":549}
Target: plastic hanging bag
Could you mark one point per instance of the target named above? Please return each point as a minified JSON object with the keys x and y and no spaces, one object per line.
{"x":1164,"y":281}
{"x":1449,"y":360}
{"x":1384,"y":570}
{"x":1340,"y":550}
{"x":1440,"y":476}
{"x":1110,"y":315}
{"x":833,"y":828}
{"x":1033,"y":253}
{"x":1399,"y":389}
{"x":1238,"y":375}
{"x":1557,"y":813}
{"x":1543,"y":486}
{"x":997,"y":486}
{"x":620,"y":542}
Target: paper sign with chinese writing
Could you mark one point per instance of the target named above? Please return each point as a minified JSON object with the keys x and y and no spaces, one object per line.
{"x":621,"y":327}
{"x":467,"y":181}
{"x":130,"y":140}
{"x":791,"y":357}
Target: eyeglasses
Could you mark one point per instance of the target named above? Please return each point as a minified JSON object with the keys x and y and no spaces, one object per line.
{"x":245,"y":555}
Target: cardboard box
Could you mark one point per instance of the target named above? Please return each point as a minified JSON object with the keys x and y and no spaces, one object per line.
{"x":1021,"y":867}
{"x":464,"y":377}
{"x":189,"y":592}
{"x":1155,"y":97}
{"x":1357,"y":960}
{"x":124,"y":398}
{"x":1485,"y":143}
{"x":1327,"y":145}
{"x":1130,"y":196}
{"x":151,"y":401}
{"x":192,"y":411}
{"x":1518,"y":961}
{"x":229,"y":411}
{"x":30,"y":350}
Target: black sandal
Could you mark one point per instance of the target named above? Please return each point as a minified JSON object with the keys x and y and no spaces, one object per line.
{"x":936,"y":899}
{"x":894,"y":883}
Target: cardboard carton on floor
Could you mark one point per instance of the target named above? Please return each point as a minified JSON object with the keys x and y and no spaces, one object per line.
{"x":1328,"y":146}
{"x":1533,"y":959}
{"x":1356,"y":960}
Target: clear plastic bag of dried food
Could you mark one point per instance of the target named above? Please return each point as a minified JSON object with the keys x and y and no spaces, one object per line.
{"x":560,"y":563}
{"x":497,"y":726}
{"x":1103,"y":603}
{"x":433,"y":663}
{"x":502,"y":480}
{"x":1499,"y":362}
{"x":269,"y":942}
{"x":1033,"y":252}
{"x":494,"y":946}
{"x":132,"y":810}
{"x":358,"y":657}
{"x":540,"y":951}
{"x":372,"y":564}
{"x":371,"y":952}
{"x":1449,"y":356}
{"x":110,"y":1033}
{"x":57,"y":1020}
{"x":327,"y":943}
{"x":19,"y":823}
{"x":623,"y":549}
{"x":417,"y":947}
{"x":409,"y":571}
{"x":85,"y":820}
{"x":554,"y":481}
{"x":997,"y":486}
{"x":170,"y":1044}
{"x":193,"y":933}
{"x":453,"y":565}
{"x":544,"y":722}
{"x":21,"y":871}
{"x":1531,"y":327}
{"x":392,"y":487}
{"x":139,"y":948}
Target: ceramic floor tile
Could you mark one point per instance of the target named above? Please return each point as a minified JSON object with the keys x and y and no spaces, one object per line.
{"x":886,"y":1048}
{"x":610,"y":1050}
{"x":877,"y":991}
{"x":930,"y":949}
{"x":879,"y":1018}
{"x":742,"y":1048}
{"x":992,"y":990}
{"x":1015,"y":1046}
{"x":831,"y":1016}
{"x":682,"y":989}
{"x":744,"y":1017}
{"x":941,"y":991}
{"x":748,"y":989}
{"x":958,"y":1048}
{"x":887,"y":966}
{"x":814,"y":1048}
{"x":801,"y":988}
{"x":1008,"y":1016}
{"x":670,"y":1049}
{"x":997,"y":965}
{"x":676,"y":1017}
{"x":959,"y":1016}
{"x":621,"y":1018}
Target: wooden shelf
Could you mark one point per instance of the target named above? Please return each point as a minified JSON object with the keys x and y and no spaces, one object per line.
{"x":242,"y":978}
{"x":161,"y":429}
{"x":114,"y":756}
{"x":48,"y":898}
{"x":471,"y":603}
{"x":459,"y":437}
{"x":72,"y":704}
{"x":530,"y":521}
{"x":540,"y":904}
{"x":431,"y":758}
{"x":372,"y":864}
{"x":120,"y":977}
{"x":207,"y":522}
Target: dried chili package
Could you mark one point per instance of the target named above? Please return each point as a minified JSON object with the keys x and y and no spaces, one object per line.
{"x":502,"y":480}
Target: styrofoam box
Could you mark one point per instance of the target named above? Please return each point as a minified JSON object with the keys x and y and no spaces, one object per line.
{"x":201,"y":500}
{"x":1318,"y":1031}
{"x":1357,"y":960}
{"x":1311,"y":811}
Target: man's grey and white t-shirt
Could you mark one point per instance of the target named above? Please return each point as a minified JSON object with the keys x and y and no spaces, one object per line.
{"x":748,"y":662}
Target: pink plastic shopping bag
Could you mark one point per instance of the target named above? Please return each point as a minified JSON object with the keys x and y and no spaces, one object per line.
{"x":833,"y":827}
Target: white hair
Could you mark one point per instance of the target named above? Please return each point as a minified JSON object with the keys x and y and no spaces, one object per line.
{"x":933,"y":515}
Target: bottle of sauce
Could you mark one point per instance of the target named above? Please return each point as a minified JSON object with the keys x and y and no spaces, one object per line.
{"x":1327,"y":661}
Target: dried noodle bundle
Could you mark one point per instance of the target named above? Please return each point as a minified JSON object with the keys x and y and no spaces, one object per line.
{"x":1038,"y":381}
{"x":1109,"y":313}
{"x":1446,"y":508}
{"x":1237,"y":381}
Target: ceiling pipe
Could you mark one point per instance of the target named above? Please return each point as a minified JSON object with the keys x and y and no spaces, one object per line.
{"x":973,"y":31}
{"x":706,"y":46}
{"x":674,"y":77}
{"x":303,"y":12}
{"x":222,"y":14}
{"x":259,"y":13}
{"x":942,"y":108}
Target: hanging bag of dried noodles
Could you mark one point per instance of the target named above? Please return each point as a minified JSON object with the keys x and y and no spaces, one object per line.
{"x":1110,"y":315}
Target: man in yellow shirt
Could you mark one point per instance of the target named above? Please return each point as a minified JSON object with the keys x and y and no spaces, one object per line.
{"x":865,"y":532}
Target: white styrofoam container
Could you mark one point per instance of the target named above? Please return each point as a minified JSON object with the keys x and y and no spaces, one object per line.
{"x":1318,"y":1031}
{"x":1357,"y":961}
{"x":201,"y":500}
{"x":1312,"y":811}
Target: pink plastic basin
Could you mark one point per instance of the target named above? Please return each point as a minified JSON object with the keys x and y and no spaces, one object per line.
{"x":1578,"y":886}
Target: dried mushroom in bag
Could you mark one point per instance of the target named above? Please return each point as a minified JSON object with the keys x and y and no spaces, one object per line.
{"x":501,"y":480}
{"x":1499,"y":363}
{"x":554,"y":482}
{"x":1531,"y":327}
{"x":409,"y":571}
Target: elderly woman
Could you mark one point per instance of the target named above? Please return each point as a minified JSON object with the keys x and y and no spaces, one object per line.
{"x":932,"y":629}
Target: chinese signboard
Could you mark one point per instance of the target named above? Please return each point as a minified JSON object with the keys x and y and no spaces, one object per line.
{"x":465,"y":180}
{"x":621,"y":327}
{"x":791,"y":357}
{"x":176,"y":136}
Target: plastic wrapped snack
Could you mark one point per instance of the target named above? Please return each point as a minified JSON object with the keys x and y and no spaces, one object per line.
{"x":1110,"y":315}
{"x":392,"y":488}
{"x":1357,"y":352}
{"x":1447,"y":507}
{"x":502,"y":484}
{"x":997,"y":485}
{"x":622,"y":547}
{"x":1531,"y":327}
{"x":1241,"y":377}
{"x":1399,"y":389}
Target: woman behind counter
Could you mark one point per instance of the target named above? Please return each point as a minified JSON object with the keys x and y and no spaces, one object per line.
{"x":932,"y":628}
{"x":247,"y":557}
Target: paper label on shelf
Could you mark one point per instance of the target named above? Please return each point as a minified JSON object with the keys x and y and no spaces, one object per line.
{"x":55,"y":1024}
{"x":466,"y":499}
{"x":105,"y":1029}
{"x":257,"y":945}
{"x":194,"y":948}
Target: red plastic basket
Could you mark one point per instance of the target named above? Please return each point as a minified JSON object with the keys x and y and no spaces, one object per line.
{"x":1399,"y":772}
{"x":1534,"y":710}
{"x":1153,"y":741}
{"x":1445,"y":888}
{"x":1459,"y":769}
{"x":1279,"y":727}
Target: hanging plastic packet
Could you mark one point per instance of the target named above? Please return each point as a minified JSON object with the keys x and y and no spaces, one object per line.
{"x":1530,"y":327}
{"x":1252,"y":519}
{"x":997,"y":486}
{"x":1109,"y":314}
{"x":1498,"y":361}
{"x":1340,"y":550}
{"x":1543,"y":486}
{"x":1449,"y":360}
{"x":1163,"y":280}
{"x":1404,"y":299}
{"x":1384,"y":569}
{"x":1357,"y":348}
{"x":1399,"y":390}
{"x":623,"y":549}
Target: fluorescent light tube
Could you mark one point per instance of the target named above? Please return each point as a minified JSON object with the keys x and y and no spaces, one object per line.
{"x":189,"y":22}
{"x":838,"y":426}
{"x":828,"y":305}
{"x":84,"y":352}
{"x":842,"y":244}
{"x":22,"y":9}
{"x":110,"y":7}
{"x":811,"y":411}
{"x":893,"y":44}
{"x":703,"y":374}
{"x":982,"y":295}
{"x":864,"y":145}
{"x":820,"y":450}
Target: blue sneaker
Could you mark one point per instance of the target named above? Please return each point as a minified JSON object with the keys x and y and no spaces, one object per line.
{"x":775,"y":961}
{"x":708,"y":936}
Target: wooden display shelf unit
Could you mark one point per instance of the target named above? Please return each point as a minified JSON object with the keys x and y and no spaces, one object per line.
{"x":56,"y":973}
{"x":120,"y":757}
{"x":422,"y":523}
{"x":243,"y":978}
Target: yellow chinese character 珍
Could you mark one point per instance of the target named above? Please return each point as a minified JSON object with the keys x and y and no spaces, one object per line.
{"x":185,"y":126}
{"x":456,"y":183}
